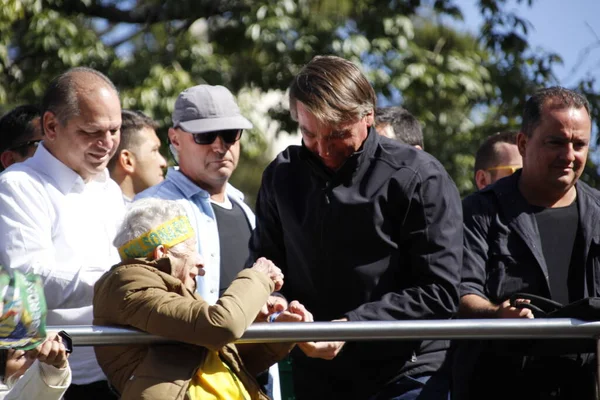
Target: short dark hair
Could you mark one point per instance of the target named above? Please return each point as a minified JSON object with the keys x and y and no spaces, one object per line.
{"x":17,"y":127}
{"x":132,"y":121}
{"x":407,"y":129}
{"x":333,"y":90}
{"x":61,"y":96}
{"x":487,"y":155}
{"x":552,"y":97}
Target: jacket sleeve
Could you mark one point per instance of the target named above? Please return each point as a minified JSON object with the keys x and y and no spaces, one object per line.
{"x":267,"y":237}
{"x":41,"y":381}
{"x":134,"y":296}
{"x":431,"y":234}
{"x":476,"y":228}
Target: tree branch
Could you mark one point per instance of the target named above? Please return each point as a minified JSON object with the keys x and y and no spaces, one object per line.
{"x":146,"y":13}
{"x":127,"y":38}
{"x":136,"y":15}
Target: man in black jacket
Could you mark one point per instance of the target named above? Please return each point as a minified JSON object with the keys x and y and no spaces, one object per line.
{"x":364,"y":229}
{"x":535,"y":231}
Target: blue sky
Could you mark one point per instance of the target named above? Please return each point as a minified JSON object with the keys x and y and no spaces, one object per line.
{"x":570,"y":28}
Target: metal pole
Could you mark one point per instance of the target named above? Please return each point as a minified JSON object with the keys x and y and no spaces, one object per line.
{"x":372,"y":330}
{"x":597,"y":367}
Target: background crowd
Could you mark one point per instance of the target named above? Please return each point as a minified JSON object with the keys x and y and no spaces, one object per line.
{"x":366,"y":194}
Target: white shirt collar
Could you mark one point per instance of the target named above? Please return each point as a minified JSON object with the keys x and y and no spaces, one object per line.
{"x":66,"y":179}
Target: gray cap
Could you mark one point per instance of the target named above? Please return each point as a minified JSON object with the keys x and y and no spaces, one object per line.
{"x":206,"y":108}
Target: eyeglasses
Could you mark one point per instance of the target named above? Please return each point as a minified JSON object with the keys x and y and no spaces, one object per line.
{"x":229,"y":136}
{"x":511,"y":168}
{"x":26,"y":144}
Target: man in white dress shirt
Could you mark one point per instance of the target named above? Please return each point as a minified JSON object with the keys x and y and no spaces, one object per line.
{"x":59,"y":210}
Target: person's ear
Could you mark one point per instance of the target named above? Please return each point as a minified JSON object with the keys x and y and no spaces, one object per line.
{"x":159,"y":251}
{"x":174,"y":138}
{"x":50,"y":123}
{"x":522,"y":143}
{"x":7,"y":158}
{"x":127,"y":161}
{"x":370,"y":118}
{"x":482,"y":179}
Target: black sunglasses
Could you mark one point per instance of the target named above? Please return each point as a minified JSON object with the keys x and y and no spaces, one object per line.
{"x":229,"y":136}
{"x":26,"y":144}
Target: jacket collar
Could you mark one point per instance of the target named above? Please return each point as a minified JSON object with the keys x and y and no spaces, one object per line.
{"x":588,"y":201}
{"x":161,"y":264}
{"x":353,"y":166}
{"x":519,"y":214}
{"x":522,"y":220}
{"x":513,"y":204}
{"x":163,"y":269}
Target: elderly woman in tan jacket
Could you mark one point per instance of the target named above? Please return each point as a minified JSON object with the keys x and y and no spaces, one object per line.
{"x":153,"y":289}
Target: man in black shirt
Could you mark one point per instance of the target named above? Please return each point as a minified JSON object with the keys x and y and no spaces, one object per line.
{"x":365,"y":229}
{"x":536,"y":232}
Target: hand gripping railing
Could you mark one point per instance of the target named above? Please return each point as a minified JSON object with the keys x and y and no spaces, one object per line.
{"x":557,"y":328}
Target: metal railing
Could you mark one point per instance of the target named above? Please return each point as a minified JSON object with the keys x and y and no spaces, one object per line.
{"x":558,"y":328}
{"x":372,"y":330}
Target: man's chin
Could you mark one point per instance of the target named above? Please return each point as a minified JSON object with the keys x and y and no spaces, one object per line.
{"x":152,"y":182}
{"x":331,"y":164}
{"x":565,"y":181}
{"x":97,"y":163}
{"x":89,"y":171}
{"x":223,"y":173}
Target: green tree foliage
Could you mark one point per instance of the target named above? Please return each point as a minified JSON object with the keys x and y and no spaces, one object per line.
{"x":462,"y":87}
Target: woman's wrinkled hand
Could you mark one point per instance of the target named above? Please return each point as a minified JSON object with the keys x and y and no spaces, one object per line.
{"x":271,"y":270}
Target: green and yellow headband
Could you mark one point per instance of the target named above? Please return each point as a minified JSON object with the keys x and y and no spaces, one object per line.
{"x":167,"y":234}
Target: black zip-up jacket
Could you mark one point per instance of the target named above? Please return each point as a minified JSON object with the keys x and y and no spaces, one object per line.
{"x":380,"y":239}
{"x":503,"y":251}
{"x":503,"y":255}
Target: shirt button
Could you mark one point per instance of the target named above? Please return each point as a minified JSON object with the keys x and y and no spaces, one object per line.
{"x":212,"y":255}
{"x":212,"y":290}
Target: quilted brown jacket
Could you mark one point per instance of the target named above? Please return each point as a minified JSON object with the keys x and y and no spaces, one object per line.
{"x":143,"y":295}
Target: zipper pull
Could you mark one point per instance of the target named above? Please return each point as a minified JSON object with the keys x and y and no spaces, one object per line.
{"x":326,"y":192}
{"x":413,"y":358}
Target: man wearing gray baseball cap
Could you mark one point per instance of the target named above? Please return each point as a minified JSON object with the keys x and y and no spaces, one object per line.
{"x":205,"y":141}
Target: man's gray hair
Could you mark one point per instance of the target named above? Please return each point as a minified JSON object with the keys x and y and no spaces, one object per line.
{"x":144,"y":215}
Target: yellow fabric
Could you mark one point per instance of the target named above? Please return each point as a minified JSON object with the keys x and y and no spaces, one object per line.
{"x":168,"y":234}
{"x":215,"y":381}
